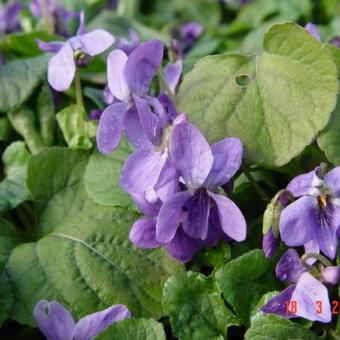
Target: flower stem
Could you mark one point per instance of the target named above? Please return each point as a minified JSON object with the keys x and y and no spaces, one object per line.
{"x":256,"y":186}
{"x":80,"y":101}
{"x":318,"y":257}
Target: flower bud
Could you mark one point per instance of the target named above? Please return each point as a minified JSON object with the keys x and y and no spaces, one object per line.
{"x":331,"y":274}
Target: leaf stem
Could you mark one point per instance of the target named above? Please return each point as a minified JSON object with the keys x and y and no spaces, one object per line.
{"x":318,"y":257}
{"x":256,"y":186}
{"x":79,"y":100}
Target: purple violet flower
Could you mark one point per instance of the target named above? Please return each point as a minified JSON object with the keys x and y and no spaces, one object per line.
{"x":72,"y":53}
{"x":182,"y":247}
{"x":271,"y":218}
{"x":9,"y":17}
{"x":56,"y":322}
{"x":129,"y":79}
{"x":269,"y":244}
{"x":315,"y":215}
{"x":313,"y":30}
{"x":306,"y":292}
{"x":151,"y":164}
{"x":95,"y":114}
{"x":202,"y":169}
{"x":58,"y":14}
{"x":183,"y":39}
{"x":197,"y":216}
{"x":190,"y":32}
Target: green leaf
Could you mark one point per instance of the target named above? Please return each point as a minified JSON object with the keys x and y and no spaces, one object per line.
{"x":84,"y":258}
{"x":18,"y":79}
{"x":102,"y":177}
{"x":46,"y":115}
{"x":13,"y":189}
{"x":120,"y":25}
{"x":11,"y":195}
{"x":58,"y":191}
{"x":75,"y":137}
{"x":127,"y":8}
{"x":24,"y":121}
{"x":257,"y":313}
{"x":25,"y":44}
{"x":328,"y":139}
{"x":136,"y":329}
{"x":286,"y":103}
{"x":6,"y":298}
{"x":213,"y":256}
{"x":95,"y":95}
{"x":8,"y":240}
{"x":195,"y":307}
{"x":258,"y":11}
{"x":205,"y":12}
{"x":5,"y":129}
{"x":254,"y":14}
{"x":110,"y":21}
{"x":252,"y":42}
{"x":244,"y":280}
{"x":278,"y":328}
{"x":15,"y":160}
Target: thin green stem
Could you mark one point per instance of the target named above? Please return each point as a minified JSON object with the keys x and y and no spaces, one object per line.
{"x":318,"y":257}
{"x":337,"y":329}
{"x":282,"y":192}
{"x":256,"y":186}
{"x":80,"y":101}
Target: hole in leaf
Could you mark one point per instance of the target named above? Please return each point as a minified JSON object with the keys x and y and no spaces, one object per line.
{"x":243,"y":80}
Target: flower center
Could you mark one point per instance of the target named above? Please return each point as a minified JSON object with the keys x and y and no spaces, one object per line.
{"x":165,"y":139}
{"x":322,"y":199}
{"x":81,"y":58}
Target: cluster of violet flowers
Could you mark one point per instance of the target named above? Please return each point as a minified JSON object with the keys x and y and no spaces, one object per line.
{"x":177,"y":179}
{"x":312,"y":221}
{"x":174,"y":175}
{"x":306,"y":213}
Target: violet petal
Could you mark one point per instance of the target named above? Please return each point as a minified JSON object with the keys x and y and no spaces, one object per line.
{"x":231,"y":218}
{"x":289,"y":268}
{"x":62,"y":68}
{"x":142,"y":65}
{"x":297,"y":221}
{"x":170,"y":216}
{"x":307,"y":293}
{"x":191,"y":154}
{"x":54,"y":320}
{"x":110,"y":127}
{"x":143,"y":233}
{"x":91,"y":325}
